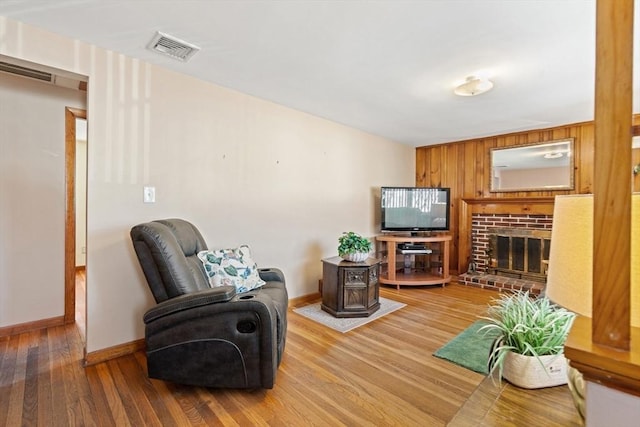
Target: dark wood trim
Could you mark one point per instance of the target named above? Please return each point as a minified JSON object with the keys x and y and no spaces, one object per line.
{"x":304,"y":299}
{"x":35,"y":325}
{"x":71,"y":114}
{"x":612,"y":185}
{"x":114,"y":352}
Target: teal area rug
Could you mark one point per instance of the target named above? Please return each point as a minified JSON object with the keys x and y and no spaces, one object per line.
{"x":469,"y":349}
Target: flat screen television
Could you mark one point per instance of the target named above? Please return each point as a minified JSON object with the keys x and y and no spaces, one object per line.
{"x":414,"y":209}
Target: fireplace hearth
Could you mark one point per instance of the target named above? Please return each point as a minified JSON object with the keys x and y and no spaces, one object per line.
{"x":509,"y":251}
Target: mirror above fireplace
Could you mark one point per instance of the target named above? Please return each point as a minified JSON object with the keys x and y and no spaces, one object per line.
{"x":544,"y":166}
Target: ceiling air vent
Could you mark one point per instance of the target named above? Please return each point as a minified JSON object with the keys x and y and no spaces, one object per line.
{"x":25,"y":72}
{"x":173,"y":47}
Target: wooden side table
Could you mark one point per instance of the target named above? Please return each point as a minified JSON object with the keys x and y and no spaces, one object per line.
{"x":438,"y":257}
{"x":350,"y":289}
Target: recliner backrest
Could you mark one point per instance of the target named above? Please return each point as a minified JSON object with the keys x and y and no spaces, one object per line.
{"x":168,"y":254}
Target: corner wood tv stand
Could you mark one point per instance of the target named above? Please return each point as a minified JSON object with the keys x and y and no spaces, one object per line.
{"x":435,"y":268}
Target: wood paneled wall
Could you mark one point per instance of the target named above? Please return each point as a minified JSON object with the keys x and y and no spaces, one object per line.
{"x":465,"y":168}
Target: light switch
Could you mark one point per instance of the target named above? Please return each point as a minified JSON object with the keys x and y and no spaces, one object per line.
{"x":149,"y":195}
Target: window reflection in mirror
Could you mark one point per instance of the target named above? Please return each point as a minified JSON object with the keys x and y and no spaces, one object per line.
{"x":534,"y":167}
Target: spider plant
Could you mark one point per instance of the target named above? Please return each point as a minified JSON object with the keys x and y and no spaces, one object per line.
{"x":525,"y":325}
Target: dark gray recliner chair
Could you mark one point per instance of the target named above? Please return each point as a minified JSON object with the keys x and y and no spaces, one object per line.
{"x":205,"y":336}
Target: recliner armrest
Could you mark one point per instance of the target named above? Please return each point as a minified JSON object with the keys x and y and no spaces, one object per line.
{"x":195,"y":299}
{"x":271,"y":274}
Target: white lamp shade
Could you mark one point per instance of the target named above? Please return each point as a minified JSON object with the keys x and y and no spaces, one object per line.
{"x":570,"y":274}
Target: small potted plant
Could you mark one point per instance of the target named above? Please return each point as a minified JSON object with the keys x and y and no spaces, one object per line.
{"x":353,"y":247}
{"x":528,"y":351}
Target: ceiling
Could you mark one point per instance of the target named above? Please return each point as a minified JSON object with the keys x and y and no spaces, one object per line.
{"x":386,"y":67}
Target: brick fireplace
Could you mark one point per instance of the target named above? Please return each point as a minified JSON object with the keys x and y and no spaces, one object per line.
{"x":519,"y":252}
{"x":508,"y":243}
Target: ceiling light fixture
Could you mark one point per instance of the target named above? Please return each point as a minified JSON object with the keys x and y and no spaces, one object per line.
{"x":474,"y":85}
{"x":555,"y":155}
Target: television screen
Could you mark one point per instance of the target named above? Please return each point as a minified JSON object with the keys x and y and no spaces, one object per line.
{"x":414,"y":209}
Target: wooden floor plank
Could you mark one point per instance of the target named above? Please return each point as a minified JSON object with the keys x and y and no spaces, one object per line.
{"x":160,"y":396}
{"x":143,"y":393}
{"x":30,"y":401}
{"x":58,"y":349}
{"x":85,"y":397}
{"x":112,"y":394}
{"x":133,"y":403}
{"x":99,"y":397}
{"x":72,"y":389}
{"x":191,"y":403}
{"x":16,"y":388}
{"x":45,"y":395}
{"x":9,"y":349}
{"x":380,"y":374}
{"x":312,"y":409}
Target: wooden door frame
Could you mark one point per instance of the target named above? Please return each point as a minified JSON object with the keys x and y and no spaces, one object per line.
{"x":71,"y":114}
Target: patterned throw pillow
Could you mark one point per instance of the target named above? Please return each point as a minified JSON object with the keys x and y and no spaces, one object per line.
{"x":233,"y":267}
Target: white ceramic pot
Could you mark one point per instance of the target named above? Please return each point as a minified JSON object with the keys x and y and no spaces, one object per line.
{"x":528,"y":372}
{"x":356,"y":257}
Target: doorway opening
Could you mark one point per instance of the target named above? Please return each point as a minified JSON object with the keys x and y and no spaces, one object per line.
{"x":75,"y":218}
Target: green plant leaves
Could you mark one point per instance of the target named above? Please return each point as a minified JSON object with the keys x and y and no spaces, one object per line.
{"x":350,"y":242}
{"x":526,"y":325}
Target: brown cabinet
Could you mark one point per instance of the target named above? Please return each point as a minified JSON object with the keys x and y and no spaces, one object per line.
{"x":350,"y":289}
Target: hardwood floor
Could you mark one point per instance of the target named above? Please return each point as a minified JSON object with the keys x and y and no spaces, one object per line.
{"x":381,"y":374}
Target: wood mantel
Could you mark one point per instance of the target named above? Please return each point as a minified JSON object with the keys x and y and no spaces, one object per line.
{"x":502,"y":206}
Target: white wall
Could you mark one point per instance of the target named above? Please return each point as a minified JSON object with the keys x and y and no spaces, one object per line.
{"x":32,"y":198}
{"x":242,"y":169}
{"x":607,"y":407}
